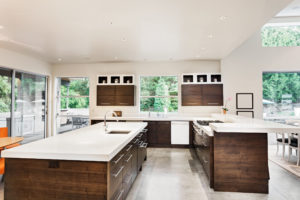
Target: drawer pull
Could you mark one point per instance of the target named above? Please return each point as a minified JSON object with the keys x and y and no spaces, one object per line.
{"x":136,"y":141}
{"x":118,"y":173}
{"x":140,"y":143}
{"x":205,"y":161}
{"x":120,"y":195}
{"x":103,"y":103}
{"x":123,"y":103}
{"x":145,"y":130}
{"x":129,"y":158}
{"x":213,"y":103}
{"x":144,"y":145}
{"x":129,"y":148}
{"x":116,"y":161}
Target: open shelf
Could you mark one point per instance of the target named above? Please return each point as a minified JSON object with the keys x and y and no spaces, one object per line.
{"x":188,"y":78}
{"x":115,"y":79}
{"x":102,"y":80}
{"x":127,"y":79}
{"x":202,"y":78}
{"x":215,"y":78}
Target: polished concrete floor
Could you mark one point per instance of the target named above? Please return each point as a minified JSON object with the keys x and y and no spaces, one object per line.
{"x":176,"y":174}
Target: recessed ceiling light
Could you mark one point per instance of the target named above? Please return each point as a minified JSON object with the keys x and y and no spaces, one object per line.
{"x":59,"y":59}
{"x":124,"y":39}
{"x":1,"y":27}
{"x":210,"y":36}
{"x":223,"y":18}
{"x":116,"y":58}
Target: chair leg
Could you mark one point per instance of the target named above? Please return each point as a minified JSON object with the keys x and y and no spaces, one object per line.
{"x":290,"y":152}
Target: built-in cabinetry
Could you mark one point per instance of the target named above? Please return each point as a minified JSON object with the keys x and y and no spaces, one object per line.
{"x":202,"y":94}
{"x":116,"y":80}
{"x":204,"y":148}
{"x":159,"y":133}
{"x":201,"y":78}
{"x":115,"y":95}
{"x":37,"y":179}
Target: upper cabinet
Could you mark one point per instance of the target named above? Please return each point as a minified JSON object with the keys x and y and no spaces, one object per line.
{"x":115,"y":95}
{"x":116,"y":80}
{"x":202,"y":94}
{"x":201,"y":78}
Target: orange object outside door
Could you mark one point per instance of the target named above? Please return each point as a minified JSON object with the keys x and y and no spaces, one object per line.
{"x":4,"y":133}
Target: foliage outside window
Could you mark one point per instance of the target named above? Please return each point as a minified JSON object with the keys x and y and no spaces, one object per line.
{"x":159,"y":93}
{"x":74,"y":93}
{"x":281,"y":95}
{"x":287,"y":35}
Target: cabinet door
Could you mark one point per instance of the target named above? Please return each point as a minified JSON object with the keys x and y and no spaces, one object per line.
{"x":106,"y":90}
{"x":192,"y":100}
{"x":125,"y":90}
{"x":212,"y":90}
{"x":163,"y":133}
{"x":105,"y":100}
{"x":151,"y":134}
{"x":124,"y":100}
{"x":188,"y":90}
{"x":191,"y":95}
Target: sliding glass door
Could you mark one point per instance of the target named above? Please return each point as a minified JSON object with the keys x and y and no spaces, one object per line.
{"x":5,"y":97}
{"x":25,"y":95}
{"x":30,"y":106}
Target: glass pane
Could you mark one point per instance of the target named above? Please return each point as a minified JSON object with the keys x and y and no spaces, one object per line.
{"x":5,"y":98}
{"x":158,"y":104}
{"x":30,"y":105}
{"x":159,"y":86}
{"x":74,"y":87}
{"x":281,"y":35}
{"x":74,"y":102}
{"x":281,"y":96}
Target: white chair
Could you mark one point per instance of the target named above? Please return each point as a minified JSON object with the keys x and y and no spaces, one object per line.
{"x":283,"y":141}
{"x":294,"y":144}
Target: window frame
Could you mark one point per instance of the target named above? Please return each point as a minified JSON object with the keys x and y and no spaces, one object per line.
{"x":140,"y":97}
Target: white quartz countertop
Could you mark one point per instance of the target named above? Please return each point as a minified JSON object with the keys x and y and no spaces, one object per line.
{"x":147,"y":118}
{"x":86,"y":144}
{"x":234,"y":123}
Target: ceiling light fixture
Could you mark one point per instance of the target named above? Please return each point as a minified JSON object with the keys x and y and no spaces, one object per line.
{"x":223,"y":18}
{"x":116,"y":58}
{"x":210,"y":36}
{"x":59,"y":59}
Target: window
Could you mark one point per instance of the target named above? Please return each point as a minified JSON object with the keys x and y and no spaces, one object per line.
{"x":73,"y":103}
{"x":281,"y":95}
{"x":159,"y":93}
{"x":281,"y":35}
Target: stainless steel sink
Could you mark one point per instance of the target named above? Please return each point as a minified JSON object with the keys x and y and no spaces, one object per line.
{"x":118,"y":132}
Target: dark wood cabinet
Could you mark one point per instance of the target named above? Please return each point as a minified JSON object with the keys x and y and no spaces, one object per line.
{"x":202,"y":95}
{"x":115,"y":95}
{"x":159,"y":133}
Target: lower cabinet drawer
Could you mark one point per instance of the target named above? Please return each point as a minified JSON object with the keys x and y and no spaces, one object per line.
{"x":118,"y":195}
{"x":116,"y":180}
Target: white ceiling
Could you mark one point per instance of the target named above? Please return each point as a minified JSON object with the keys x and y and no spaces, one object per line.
{"x":292,"y":10}
{"x":81,"y":31}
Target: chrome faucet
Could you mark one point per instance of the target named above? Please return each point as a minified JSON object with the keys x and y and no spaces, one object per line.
{"x":112,"y":112}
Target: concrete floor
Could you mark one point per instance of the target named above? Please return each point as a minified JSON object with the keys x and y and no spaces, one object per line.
{"x":176,"y":174}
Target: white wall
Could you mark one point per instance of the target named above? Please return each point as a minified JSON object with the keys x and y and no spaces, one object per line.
{"x":242,"y":69}
{"x":136,"y":68}
{"x":28,"y":63}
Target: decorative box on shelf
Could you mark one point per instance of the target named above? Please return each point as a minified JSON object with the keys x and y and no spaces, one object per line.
{"x":202,"y":78}
{"x":115,"y":80}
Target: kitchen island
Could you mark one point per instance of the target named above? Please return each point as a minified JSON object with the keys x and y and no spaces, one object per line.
{"x":234,"y":153}
{"x":89,"y":163}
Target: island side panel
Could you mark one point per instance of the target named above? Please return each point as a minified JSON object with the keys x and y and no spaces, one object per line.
{"x":241,"y":162}
{"x":36,"y":179}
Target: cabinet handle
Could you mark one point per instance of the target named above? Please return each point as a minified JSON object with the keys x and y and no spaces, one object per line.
{"x":123,"y":103}
{"x":136,"y":141}
{"x":145,"y":130}
{"x":118,"y":173}
{"x":120,"y":195}
{"x":192,"y":103}
{"x":144,"y":145}
{"x":129,"y":158}
{"x":116,"y":161}
{"x":213,"y":103}
{"x":204,"y":160}
{"x":105,"y":103}
{"x":129,"y":148}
